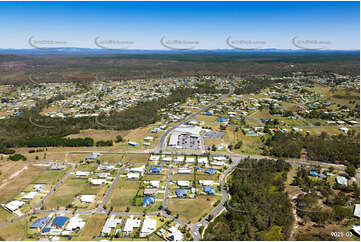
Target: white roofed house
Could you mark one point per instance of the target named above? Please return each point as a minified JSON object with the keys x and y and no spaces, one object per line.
{"x":184,"y":171}
{"x":149,"y":138}
{"x":148,"y":227}
{"x":175,"y":234}
{"x":29,"y":196}
{"x":190,"y":160}
{"x":183,"y":183}
{"x":206,"y":182}
{"x":87,"y":198}
{"x":75,"y":223}
{"x":130,"y":224}
{"x":217,"y":163}
{"x":106,"y":167}
{"x":179,"y":158}
{"x":341,"y":180}
{"x":140,"y":169}
{"x":133,"y":175}
{"x":97,"y":182}
{"x":103,"y":175}
{"x":82,"y":173}
{"x":14,"y":205}
{"x":39,"y":187}
{"x":167,"y":158}
{"x":202,"y":160}
{"x":219,"y":158}
{"x":155,"y":183}
{"x":343,"y":129}
{"x":110,"y":224}
{"x":154,"y":158}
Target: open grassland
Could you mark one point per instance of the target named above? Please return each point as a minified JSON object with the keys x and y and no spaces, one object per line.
{"x":183,"y":177}
{"x":99,"y":134}
{"x":88,"y":167}
{"x":191,"y":209}
{"x":211,"y":142}
{"x":51,"y":177}
{"x":111,"y":158}
{"x":153,"y":177}
{"x":5,"y":215}
{"x":16,"y":185}
{"x":136,"y":158}
{"x":202,"y":176}
{"x":123,"y":194}
{"x":250,"y":145}
{"x":72,"y":187}
{"x":206,"y":118}
{"x":7,"y":168}
{"x":92,"y":228}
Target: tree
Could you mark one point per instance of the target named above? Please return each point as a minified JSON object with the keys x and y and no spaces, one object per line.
{"x":274,"y":234}
{"x":238,"y":145}
{"x":119,"y":139}
{"x":350,"y":170}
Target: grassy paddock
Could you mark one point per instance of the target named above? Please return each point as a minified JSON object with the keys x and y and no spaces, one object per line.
{"x":92,"y":228}
{"x":191,"y":209}
{"x":123,"y":194}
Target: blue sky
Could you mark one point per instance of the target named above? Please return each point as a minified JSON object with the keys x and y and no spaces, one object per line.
{"x":206,"y":24}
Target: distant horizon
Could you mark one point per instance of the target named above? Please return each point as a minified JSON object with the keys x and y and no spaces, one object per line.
{"x":169,"y":50}
{"x":181,"y":25}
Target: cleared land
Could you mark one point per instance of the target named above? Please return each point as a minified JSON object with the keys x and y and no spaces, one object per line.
{"x":92,"y":228}
{"x":72,"y":187}
{"x":123,"y":194}
{"x":191,"y":209}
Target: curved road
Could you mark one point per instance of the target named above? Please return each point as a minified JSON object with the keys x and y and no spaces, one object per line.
{"x":218,"y":209}
{"x":164,"y":136}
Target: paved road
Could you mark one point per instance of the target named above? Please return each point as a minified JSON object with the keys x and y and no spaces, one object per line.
{"x":106,"y":197}
{"x":52,"y":190}
{"x":217,"y":210}
{"x":165,"y":200}
{"x":232,"y":155}
{"x":61,"y":110}
{"x":166,"y":133}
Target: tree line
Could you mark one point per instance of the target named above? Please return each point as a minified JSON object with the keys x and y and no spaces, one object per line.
{"x":340,"y":148}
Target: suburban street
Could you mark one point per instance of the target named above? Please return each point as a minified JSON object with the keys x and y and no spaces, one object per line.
{"x":106,"y":197}
{"x":53,"y":189}
{"x":165,"y":200}
{"x":218,"y":209}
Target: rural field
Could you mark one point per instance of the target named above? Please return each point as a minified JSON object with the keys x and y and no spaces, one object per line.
{"x":191,"y":209}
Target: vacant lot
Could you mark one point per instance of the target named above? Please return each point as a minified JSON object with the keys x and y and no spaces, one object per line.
{"x":7,"y":168}
{"x":5,"y":215}
{"x":111,"y":158}
{"x":123,"y":194}
{"x":92,"y":228}
{"x":136,"y":158}
{"x":99,"y":134}
{"x":206,"y":118}
{"x":72,"y":187}
{"x":191,"y":209}
{"x":16,"y":185}
{"x":51,"y":177}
